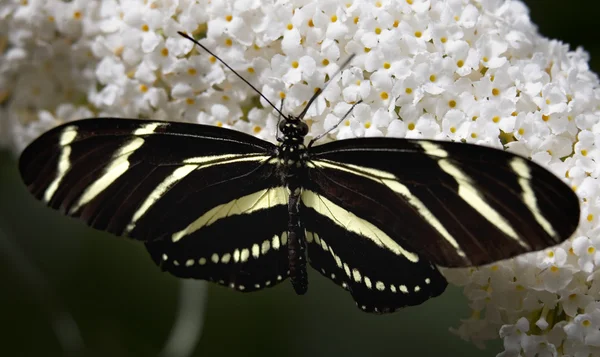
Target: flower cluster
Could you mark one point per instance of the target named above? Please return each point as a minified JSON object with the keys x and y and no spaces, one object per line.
{"x":464,"y":70}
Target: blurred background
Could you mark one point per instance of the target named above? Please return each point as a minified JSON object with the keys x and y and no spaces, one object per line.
{"x":55,"y":271}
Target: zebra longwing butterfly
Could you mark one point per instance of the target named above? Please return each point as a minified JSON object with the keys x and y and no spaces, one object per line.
{"x":375,"y":215}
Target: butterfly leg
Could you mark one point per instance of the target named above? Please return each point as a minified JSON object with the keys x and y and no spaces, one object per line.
{"x":296,"y":244}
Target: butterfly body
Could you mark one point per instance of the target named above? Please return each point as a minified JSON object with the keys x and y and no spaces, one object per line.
{"x":291,"y":164}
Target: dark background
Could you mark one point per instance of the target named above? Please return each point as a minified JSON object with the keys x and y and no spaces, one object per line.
{"x":124,"y":306}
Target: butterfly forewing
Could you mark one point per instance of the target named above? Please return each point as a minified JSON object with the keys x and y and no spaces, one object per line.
{"x":456,"y":204}
{"x":114,"y":173}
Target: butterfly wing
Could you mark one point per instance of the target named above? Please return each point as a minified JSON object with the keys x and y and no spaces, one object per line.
{"x":393,"y":208}
{"x":188,"y":191}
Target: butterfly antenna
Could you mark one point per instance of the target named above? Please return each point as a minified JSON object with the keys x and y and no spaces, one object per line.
{"x":317,"y":138}
{"x":232,"y":70}
{"x":318,"y":92}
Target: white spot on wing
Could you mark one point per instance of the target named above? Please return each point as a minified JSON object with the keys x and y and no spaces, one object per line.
{"x":347,"y":270}
{"x":264,"y":248}
{"x":317,"y":238}
{"x":255,"y":251}
{"x":309,"y":236}
{"x":356,"y":275}
{"x":275,"y":243}
{"x":324,"y":245}
{"x":245,"y":254}
{"x":368,"y":282}
{"x":380,"y":286}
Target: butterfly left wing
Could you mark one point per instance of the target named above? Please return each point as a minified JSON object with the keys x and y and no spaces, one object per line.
{"x":392,"y":208}
{"x":206,"y":200}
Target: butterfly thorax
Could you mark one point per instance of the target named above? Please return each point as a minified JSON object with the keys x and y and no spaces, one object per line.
{"x":291,"y":166}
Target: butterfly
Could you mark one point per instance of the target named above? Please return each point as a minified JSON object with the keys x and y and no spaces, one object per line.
{"x":377,"y":216}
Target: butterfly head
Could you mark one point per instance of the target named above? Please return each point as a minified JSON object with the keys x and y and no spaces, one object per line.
{"x":293,"y":127}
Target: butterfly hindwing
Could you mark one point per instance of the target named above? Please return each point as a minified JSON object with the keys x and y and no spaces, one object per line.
{"x":246,"y":252}
{"x":456,"y":204}
{"x":378,"y":279}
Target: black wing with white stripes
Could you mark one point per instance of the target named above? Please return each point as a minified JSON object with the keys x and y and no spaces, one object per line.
{"x":456,"y":204}
{"x":381,"y":213}
{"x":189,"y":191}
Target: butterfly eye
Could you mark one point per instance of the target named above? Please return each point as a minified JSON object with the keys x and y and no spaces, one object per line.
{"x":302,"y":128}
{"x":282,"y":125}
